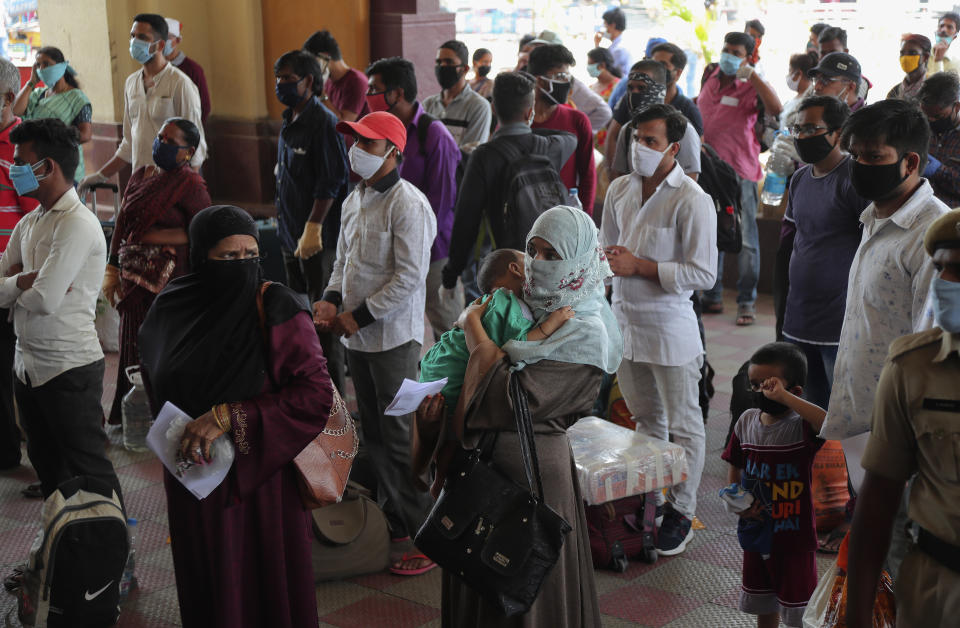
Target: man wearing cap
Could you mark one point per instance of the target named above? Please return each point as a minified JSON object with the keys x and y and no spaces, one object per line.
{"x":916,"y":431}
{"x":186,"y":65}
{"x":914,"y":56}
{"x":378,"y":286}
{"x":838,"y":75}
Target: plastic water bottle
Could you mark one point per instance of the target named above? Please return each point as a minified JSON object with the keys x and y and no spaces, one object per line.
{"x":779,"y":168}
{"x":128,"y":582}
{"x":136,"y":412}
{"x":573,"y":198}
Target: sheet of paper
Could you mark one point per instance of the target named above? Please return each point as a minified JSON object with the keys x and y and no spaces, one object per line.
{"x":410,"y":395}
{"x":199,"y":479}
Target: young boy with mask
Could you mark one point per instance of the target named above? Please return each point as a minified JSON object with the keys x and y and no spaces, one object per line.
{"x":823,"y":212}
{"x":771,"y":455}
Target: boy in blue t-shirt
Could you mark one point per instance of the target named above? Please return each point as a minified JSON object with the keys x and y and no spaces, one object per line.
{"x":771,"y":455}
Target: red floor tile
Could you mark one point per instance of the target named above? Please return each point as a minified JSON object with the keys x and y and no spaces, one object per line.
{"x":646,"y":605}
{"x":381,"y":611}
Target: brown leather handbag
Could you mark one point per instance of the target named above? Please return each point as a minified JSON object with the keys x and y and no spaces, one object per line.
{"x":324,"y":464}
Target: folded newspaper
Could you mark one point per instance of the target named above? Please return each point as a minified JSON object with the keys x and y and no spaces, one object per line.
{"x":614,"y":462}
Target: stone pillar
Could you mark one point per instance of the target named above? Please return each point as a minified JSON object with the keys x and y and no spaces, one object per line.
{"x":412,"y":29}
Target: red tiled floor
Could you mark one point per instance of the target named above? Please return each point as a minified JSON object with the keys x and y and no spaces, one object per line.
{"x":378,"y":581}
{"x":646,"y":605}
{"x":382,"y":611}
{"x":730,"y":599}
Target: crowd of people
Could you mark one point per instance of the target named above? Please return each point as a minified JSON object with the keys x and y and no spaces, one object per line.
{"x":395,"y":207}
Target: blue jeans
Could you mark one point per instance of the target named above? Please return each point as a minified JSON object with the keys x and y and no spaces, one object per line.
{"x":820,"y":361}
{"x":748,"y":260}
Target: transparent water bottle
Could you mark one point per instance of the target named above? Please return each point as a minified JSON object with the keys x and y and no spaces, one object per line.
{"x":779,"y":168}
{"x":128,"y":582}
{"x":136,"y":412}
{"x":573,"y":198}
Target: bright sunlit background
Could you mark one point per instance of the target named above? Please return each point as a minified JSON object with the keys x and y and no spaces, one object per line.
{"x":873,"y":30}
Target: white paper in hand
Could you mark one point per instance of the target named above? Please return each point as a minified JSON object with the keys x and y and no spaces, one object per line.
{"x":164,"y":440}
{"x":411,"y":394}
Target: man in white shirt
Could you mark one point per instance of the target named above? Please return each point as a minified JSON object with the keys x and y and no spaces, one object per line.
{"x":660,"y":233}
{"x":50,"y":276}
{"x":465,"y":113}
{"x":379,"y":281}
{"x":152,"y":94}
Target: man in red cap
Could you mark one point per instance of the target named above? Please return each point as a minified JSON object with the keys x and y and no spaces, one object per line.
{"x":378,"y":286}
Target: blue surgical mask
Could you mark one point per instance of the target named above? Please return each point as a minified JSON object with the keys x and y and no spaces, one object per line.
{"x":140,"y":51}
{"x":165,"y":155}
{"x":943,"y":40}
{"x":52,"y":74}
{"x":24,"y":177}
{"x":168,"y":48}
{"x":593,"y":69}
{"x":946,"y":304}
{"x":729,"y":64}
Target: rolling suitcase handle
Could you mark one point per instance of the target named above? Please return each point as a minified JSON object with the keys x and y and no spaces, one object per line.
{"x":113,"y":187}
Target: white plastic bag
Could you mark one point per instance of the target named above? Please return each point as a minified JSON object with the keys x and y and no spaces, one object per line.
{"x":108,"y":325}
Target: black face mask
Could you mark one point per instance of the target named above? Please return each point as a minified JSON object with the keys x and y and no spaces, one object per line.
{"x":768,"y":405}
{"x":447,"y":75}
{"x":942,"y":125}
{"x":483,"y":70}
{"x":232,"y":274}
{"x":813,"y":149}
{"x":558,"y":92}
{"x":876,"y":183}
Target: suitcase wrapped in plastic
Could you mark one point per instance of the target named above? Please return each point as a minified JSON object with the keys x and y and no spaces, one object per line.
{"x":614,"y":462}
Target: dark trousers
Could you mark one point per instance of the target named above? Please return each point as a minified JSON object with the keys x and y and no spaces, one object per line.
{"x":310,"y":276}
{"x":9,"y":432}
{"x":63,"y":421}
{"x":386,"y":439}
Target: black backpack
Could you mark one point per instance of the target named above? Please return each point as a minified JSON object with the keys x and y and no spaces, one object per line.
{"x":533,"y":188}
{"x":73,"y":576}
{"x":721,"y":182}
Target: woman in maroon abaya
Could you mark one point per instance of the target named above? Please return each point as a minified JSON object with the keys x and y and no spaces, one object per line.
{"x":149,"y":243}
{"x":242,"y":555}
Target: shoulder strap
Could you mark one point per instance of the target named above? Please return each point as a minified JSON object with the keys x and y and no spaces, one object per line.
{"x":528,"y":448}
{"x":508,"y":150}
{"x":261,"y":310}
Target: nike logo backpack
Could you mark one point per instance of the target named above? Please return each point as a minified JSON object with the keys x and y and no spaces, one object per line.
{"x":76,"y":562}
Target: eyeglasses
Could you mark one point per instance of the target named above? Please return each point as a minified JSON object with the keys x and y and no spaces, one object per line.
{"x":799,"y":130}
{"x":824,"y":80}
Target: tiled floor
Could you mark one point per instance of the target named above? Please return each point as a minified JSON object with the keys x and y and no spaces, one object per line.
{"x":698,"y":588}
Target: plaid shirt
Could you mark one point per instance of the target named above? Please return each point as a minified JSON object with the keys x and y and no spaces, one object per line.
{"x":945,"y":147}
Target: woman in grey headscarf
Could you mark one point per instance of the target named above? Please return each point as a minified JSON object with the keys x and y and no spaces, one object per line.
{"x":564,"y":265}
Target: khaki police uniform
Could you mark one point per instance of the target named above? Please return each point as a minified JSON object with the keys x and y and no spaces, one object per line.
{"x":916,"y":430}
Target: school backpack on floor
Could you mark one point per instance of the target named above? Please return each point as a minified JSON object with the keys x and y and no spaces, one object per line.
{"x":623,"y":529}
{"x":351,"y":537}
{"x":720,"y":181}
{"x":76,"y":562}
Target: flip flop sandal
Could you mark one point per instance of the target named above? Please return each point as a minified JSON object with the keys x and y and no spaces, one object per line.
{"x":746,"y":316}
{"x":413,"y":572}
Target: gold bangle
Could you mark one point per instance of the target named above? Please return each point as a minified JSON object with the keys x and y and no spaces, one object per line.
{"x":223,"y":422}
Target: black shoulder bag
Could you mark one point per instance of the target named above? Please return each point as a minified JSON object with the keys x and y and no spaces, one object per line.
{"x":499,"y":537}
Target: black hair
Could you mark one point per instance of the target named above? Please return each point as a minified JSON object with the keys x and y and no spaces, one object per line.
{"x":57,"y":57}
{"x":53,"y":140}
{"x":526,"y":39}
{"x":157,"y":24}
{"x":479,"y":52}
{"x":818,"y":28}
{"x":544,"y":58}
{"x":737,"y":38}
{"x":616,"y":17}
{"x":604,"y":56}
{"x":495,"y":265}
{"x":458,"y":48}
{"x":835,"y":112}
{"x":755,"y":25}
{"x":833,"y":32}
{"x":676,"y":123}
{"x":301,"y":63}
{"x":190,"y":131}
{"x":940,"y":90}
{"x":788,"y":356}
{"x":678,"y":58}
{"x":512,"y":95}
{"x":804,"y":61}
{"x":396,"y":72}
{"x":323,"y":42}
{"x":655,"y":69}
{"x":950,"y":15}
{"x":894,"y":122}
